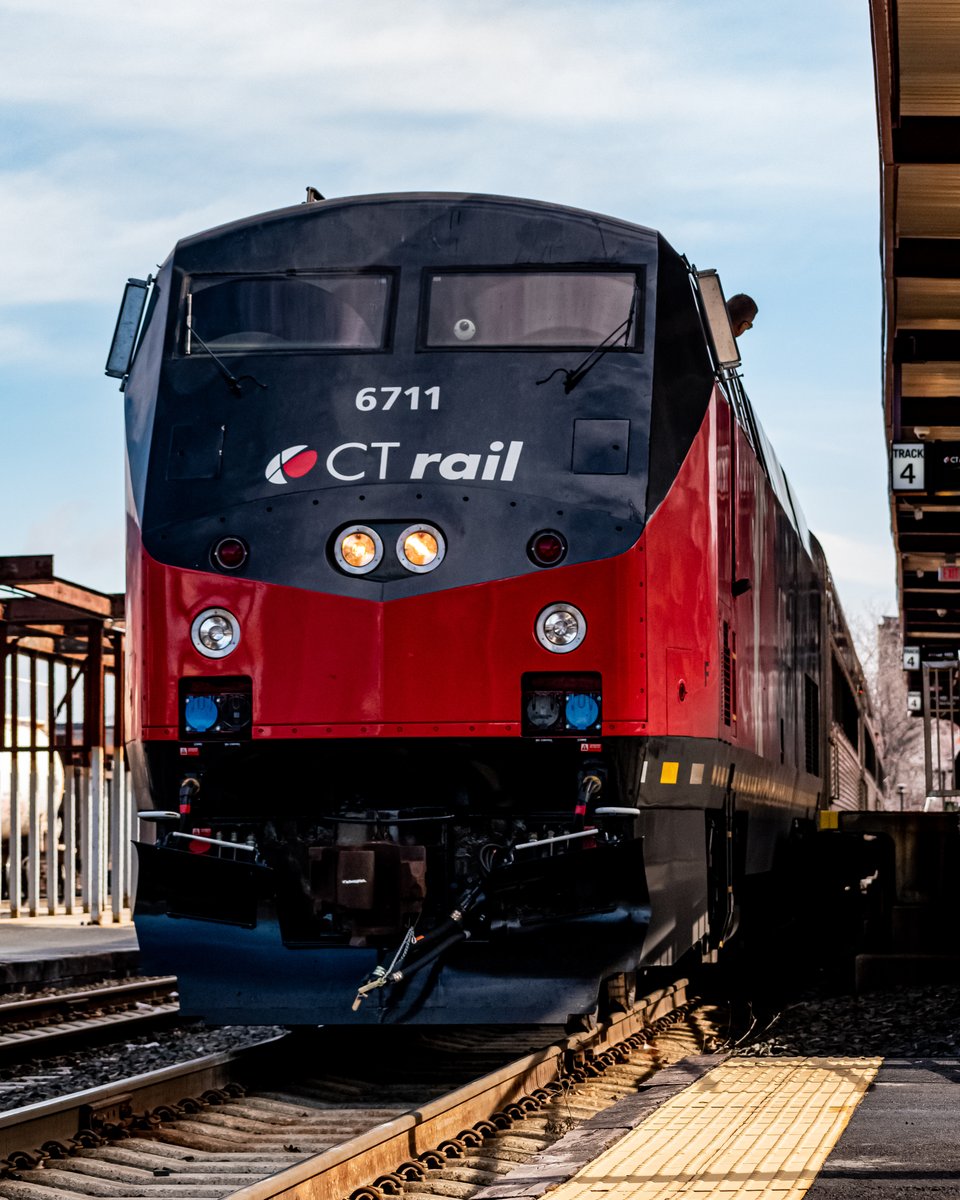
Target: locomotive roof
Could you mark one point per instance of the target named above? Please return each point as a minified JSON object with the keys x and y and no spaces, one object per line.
{"x":305,"y":210}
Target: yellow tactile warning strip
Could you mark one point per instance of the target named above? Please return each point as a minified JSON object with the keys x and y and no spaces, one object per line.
{"x":752,"y":1127}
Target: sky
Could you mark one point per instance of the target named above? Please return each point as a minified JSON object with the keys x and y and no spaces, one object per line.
{"x":745,"y":132}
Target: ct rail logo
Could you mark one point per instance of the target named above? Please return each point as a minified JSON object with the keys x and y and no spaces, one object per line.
{"x":292,"y":463}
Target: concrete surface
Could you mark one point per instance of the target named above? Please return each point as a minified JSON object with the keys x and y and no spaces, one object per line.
{"x":45,"y":951}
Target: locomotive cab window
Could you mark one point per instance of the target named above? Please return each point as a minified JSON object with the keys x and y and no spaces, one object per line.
{"x":534,"y":309}
{"x":243,"y":313}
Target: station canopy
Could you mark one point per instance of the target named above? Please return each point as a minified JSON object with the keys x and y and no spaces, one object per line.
{"x":917,"y":59}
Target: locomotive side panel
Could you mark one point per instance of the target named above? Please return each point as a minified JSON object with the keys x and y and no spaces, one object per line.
{"x":681,"y":551}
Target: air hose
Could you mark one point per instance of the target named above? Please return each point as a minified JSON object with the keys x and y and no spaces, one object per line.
{"x":189,"y":790}
{"x":590,"y":786}
{"x":424,"y":951}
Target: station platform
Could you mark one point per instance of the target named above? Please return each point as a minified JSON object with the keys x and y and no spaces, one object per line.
{"x":54,"y":951}
{"x":824,"y":1128}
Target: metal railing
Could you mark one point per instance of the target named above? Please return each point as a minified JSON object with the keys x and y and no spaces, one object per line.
{"x":941,"y":729}
{"x":65,"y":836}
{"x":66,"y":807}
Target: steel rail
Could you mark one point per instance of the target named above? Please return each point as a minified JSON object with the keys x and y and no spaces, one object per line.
{"x":24,"y":1129}
{"x":31,"y":1024}
{"x":36,"y":1137}
{"x":347,"y":1167}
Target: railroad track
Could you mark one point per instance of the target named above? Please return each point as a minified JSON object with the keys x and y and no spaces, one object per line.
{"x":438,"y":1113}
{"x":37,"y":1025}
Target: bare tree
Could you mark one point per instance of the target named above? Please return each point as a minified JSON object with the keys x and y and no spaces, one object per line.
{"x":880,"y":647}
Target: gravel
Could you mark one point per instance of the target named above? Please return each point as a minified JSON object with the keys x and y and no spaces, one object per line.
{"x":60,"y":1075}
{"x":901,"y":1023}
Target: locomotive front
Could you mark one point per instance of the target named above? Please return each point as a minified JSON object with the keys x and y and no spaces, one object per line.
{"x":389,"y":471}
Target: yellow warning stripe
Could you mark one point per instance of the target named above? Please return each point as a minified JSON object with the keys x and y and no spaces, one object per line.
{"x":761,"y":1127}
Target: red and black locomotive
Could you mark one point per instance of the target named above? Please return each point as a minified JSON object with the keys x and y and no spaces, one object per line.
{"x":476,"y":640}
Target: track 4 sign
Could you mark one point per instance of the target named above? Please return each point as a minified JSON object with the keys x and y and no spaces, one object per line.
{"x":906,"y":467}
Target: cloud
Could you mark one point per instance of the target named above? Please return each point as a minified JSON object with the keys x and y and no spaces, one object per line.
{"x":86,"y":542}
{"x":745,"y":132}
{"x":153,"y":121}
{"x":79,"y":238}
{"x":20,"y":344}
{"x":221,"y":66}
{"x":859,"y":562}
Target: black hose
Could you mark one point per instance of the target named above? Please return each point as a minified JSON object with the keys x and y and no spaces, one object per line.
{"x":424,"y":959}
{"x":451,"y":924}
{"x":590,"y":786}
{"x":427,"y":949}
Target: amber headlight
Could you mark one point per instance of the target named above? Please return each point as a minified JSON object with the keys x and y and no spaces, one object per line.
{"x":420,"y":548}
{"x":561,"y":628}
{"x":358,"y":549}
{"x":215,"y":632}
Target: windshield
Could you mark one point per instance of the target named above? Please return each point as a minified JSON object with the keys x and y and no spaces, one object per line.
{"x":574,"y":309}
{"x":304,"y":312}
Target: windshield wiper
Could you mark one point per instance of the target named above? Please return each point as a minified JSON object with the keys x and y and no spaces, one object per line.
{"x":572,"y":378}
{"x":233,"y":382}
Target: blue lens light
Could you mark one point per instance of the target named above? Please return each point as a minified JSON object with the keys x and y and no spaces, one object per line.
{"x":582,"y":710}
{"x":200,"y":713}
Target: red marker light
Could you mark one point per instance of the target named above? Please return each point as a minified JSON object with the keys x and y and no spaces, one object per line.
{"x":547,"y":548}
{"x":229,"y":553}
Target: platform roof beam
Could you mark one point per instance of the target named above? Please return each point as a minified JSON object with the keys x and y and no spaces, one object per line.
{"x":917,"y":60}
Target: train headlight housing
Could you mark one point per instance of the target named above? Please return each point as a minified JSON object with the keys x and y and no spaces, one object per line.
{"x":215,"y":633}
{"x":230,"y":553}
{"x":420,"y":548}
{"x":561,"y":628}
{"x":358,"y":549}
{"x":547,"y":548}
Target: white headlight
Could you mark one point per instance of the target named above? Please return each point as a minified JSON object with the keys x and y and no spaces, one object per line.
{"x":215,"y":632}
{"x":561,"y":628}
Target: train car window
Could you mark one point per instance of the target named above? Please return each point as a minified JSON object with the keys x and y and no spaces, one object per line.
{"x":870,"y":755}
{"x":534,"y":309}
{"x":741,"y":406}
{"x":845,"y":711}
{"x":799,"y":519}
{"x":244,"y":313}
{"x":811,"y":725}
{"x":775,"y":473}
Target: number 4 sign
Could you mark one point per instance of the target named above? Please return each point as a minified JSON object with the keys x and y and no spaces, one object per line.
{"x":906,"y":467}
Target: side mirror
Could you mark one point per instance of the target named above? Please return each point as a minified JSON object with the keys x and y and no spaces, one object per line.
{"x":128,"y":326}
{"x":718,"y":319}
